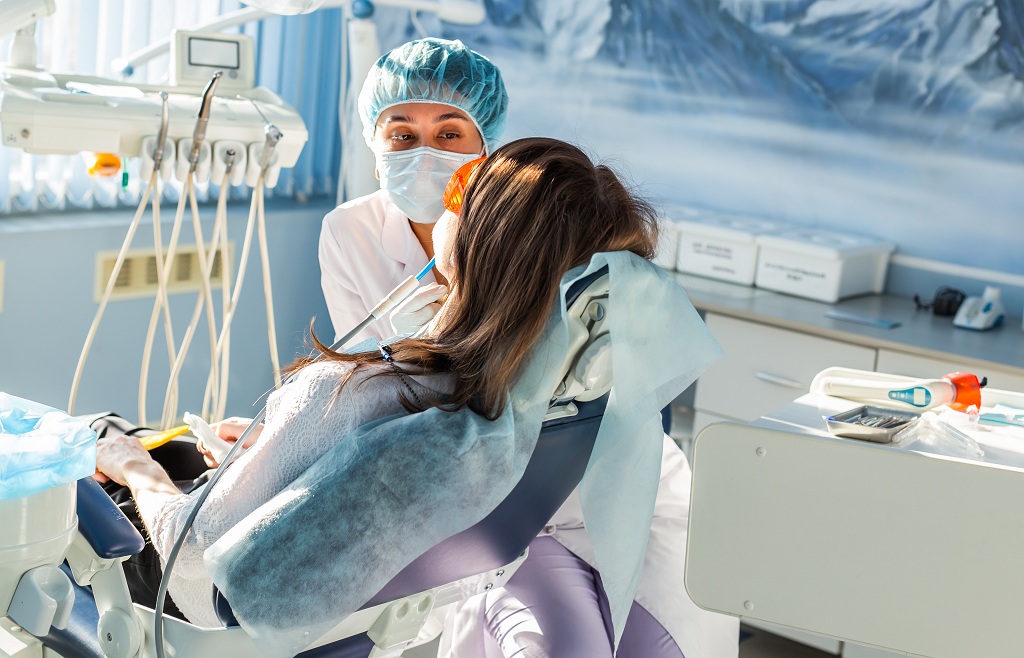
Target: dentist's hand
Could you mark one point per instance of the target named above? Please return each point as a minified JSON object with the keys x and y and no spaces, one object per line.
{"x":418,"y":309}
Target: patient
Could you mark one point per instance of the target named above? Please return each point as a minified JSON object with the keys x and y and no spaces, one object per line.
{"x":532,"y":211}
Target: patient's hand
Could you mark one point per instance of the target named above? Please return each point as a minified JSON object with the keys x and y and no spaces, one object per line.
{"x":117,"y":455}
{"x":229,"y":429}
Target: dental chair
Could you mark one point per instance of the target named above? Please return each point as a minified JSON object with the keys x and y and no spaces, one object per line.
{"x":98,"y":620}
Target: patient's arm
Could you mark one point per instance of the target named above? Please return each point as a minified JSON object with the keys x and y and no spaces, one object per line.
{"x":124,"y":460}
{"x":304,"y":419}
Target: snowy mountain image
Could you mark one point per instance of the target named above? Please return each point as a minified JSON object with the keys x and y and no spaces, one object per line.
{"x":930,"y":58}
{"x":902,"y":119}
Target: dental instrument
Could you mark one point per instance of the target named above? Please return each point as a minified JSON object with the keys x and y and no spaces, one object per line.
{"x":207,"y":258}
{"x":203,"y":118}
{"x":160,"y":438}
{"x":217,"y":446}
{"x":959,"y":390}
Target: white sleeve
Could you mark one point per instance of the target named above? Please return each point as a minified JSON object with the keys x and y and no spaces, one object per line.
{"x":346,"y":307}
{"x":304,"y":418}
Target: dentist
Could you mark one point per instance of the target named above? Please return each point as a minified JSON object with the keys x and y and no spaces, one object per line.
{"x":427,"y":108}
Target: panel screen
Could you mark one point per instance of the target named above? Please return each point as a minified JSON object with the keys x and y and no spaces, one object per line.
{"x":213,"y":53}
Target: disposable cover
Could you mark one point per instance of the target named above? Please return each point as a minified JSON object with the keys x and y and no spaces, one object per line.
{"x":393,"y":488}
{"x":41,"y":447}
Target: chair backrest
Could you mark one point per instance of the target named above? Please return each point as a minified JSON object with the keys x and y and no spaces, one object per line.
{"x":554,"y":471}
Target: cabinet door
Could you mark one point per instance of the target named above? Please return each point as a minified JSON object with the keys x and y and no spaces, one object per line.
{"x":912,"y":365}
{"x":765,"y":367}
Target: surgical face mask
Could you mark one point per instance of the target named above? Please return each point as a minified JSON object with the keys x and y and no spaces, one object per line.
{"x":415,"y":179}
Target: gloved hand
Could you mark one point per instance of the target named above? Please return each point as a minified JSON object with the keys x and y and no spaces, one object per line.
{"x":418,"y":309}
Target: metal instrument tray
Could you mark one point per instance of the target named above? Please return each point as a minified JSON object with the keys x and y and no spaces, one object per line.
{"x":868,"y":423}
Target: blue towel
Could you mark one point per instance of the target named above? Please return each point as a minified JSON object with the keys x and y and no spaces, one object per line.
{"x":393,"y":488}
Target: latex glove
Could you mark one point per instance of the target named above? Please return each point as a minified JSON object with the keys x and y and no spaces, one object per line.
{"x":418,"y":309}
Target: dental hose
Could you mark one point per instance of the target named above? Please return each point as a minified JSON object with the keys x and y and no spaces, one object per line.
{"x":261,"y":226}
{"x":165,"y":264}
{"x":224,"y":339}
{"x":164,"y":268}
{"x":109,"y":290}
{"x":205,"y":298}
{"x":395,"y":297}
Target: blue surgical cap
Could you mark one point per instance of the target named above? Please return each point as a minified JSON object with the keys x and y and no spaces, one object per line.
{"x":436,"y":71}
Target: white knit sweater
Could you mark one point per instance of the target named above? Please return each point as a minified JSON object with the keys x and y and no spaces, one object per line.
{"x":303,"y":420}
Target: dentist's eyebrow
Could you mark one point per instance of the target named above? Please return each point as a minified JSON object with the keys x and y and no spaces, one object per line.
{"x":451,"y":115}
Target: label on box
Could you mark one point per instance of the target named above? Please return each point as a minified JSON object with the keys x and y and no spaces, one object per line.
{"x":717,"y":258}
{"x":794,"y":273}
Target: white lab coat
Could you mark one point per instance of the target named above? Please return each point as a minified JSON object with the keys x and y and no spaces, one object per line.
{"x":366,"y":249}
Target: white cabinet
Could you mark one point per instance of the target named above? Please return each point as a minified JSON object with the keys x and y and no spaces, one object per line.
{"x":765,"y":367}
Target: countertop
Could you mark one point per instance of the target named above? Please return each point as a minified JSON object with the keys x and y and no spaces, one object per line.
{"x":919,"y":332}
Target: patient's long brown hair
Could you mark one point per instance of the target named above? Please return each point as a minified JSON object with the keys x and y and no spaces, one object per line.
{"x":533,"y":210}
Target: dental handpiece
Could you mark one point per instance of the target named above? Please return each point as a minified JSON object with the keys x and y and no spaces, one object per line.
{"x":199,"y":134}
{"x":390,"y":301}
{"x":158,"y":150}
{"x":274,"y":135}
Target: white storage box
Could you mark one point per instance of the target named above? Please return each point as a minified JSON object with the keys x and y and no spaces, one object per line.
{"x":722,"y":246}
{"x":822,"y":265}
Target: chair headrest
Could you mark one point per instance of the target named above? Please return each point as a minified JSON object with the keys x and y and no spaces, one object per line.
{"x":586,"y":373}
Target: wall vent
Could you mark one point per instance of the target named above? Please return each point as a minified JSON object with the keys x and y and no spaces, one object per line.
{"x":138,"y":275}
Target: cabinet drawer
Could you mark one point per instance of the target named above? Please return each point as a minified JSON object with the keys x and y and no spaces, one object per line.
{"x":912,"y":365}
{"x":765,"y":367}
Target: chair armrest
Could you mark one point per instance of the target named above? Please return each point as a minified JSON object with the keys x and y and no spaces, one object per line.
{"x":108,"y":531}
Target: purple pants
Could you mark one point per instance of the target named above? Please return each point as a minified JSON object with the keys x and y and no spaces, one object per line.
{"x":554,"y":607}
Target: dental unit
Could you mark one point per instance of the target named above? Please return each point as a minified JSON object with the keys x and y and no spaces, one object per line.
{"x":234,"y":138}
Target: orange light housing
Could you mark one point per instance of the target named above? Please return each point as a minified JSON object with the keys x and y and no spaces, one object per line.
{"x":456,"y":188}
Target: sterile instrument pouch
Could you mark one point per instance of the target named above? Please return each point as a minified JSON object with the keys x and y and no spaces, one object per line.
{"x":41,"y":447}
{"x":931,"y":434}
